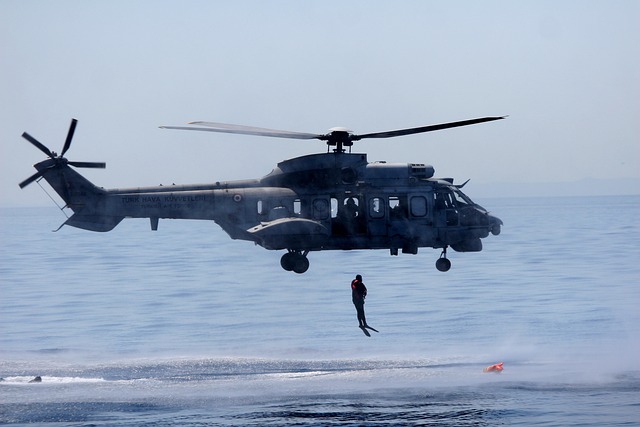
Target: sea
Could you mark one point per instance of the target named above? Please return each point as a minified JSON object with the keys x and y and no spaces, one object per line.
{"x":185,"y":327}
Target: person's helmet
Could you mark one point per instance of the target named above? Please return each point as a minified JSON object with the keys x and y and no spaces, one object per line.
{"x":358,"y":277}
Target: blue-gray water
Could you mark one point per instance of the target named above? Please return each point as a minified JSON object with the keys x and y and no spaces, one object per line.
{"x":185,"y":327}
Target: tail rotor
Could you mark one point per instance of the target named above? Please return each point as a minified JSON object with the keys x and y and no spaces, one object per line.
{"x":55,"y":159}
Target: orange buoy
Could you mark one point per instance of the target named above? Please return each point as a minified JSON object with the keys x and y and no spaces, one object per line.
{"x":494,"y":368}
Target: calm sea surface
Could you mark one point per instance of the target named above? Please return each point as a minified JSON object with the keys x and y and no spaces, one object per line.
{"x":186,"y":327}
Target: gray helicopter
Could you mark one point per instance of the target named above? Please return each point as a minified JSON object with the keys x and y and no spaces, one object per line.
{"x":328,"y":201}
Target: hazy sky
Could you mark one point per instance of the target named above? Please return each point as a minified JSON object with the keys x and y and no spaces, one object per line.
{"x":566,"y":72}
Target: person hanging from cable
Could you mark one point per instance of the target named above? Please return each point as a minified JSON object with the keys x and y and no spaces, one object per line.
{"x":358,"y":295}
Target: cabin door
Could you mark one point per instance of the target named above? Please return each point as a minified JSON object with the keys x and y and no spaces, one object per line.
{"x":347,"y":216}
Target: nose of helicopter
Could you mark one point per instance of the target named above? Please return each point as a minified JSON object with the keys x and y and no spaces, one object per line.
{"x":496,"y":224}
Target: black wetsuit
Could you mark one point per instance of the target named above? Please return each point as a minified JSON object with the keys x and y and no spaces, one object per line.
{"x":358,"y":293}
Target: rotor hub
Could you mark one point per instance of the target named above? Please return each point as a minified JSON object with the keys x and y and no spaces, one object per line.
{"x":339,"y":137}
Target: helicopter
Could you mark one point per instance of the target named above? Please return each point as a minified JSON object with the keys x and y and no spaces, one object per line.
{"x":336,"y":200}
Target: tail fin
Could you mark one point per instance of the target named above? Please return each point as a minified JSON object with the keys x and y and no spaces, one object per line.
{"x":87,"y":201}
{"x":76,"y":191}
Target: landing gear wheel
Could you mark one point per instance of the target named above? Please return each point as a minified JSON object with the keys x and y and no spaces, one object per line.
{"x":287,"y":261}
{"x":443,"y":264}
{"x":295,"y":261}
{"x":301,"y":264}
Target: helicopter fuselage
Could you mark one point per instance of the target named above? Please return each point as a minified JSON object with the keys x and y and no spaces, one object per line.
{"x":328,"y":201}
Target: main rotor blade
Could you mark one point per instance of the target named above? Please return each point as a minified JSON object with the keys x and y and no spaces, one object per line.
{"x":67,"y":143}
{"x":245,"y":130}
{"x":92,"y":165}
{"x":38,"y":144}
{"x":30,"y":179}
{"x":430,"y":128}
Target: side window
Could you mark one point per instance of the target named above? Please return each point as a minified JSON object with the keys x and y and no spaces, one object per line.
{"x":297,"y":207}
{"x":418,"y":206}
{"x":259,"y":207}
{"x":394,"y":202}
{"x":376,"y":207}
{"x":334,"y":207}
{"x":320,"y":209}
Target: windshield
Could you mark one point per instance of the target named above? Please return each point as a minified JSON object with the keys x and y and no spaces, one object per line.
{"x":462,"y":199}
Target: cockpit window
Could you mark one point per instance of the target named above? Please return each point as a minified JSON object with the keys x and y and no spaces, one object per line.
{"x":461,"y":199}
{"x":443,"y":200}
